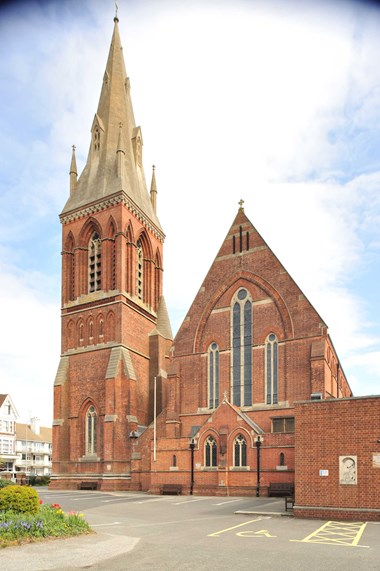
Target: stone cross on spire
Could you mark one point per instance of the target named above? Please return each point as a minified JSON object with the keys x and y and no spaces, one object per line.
{"x":241,"y":202}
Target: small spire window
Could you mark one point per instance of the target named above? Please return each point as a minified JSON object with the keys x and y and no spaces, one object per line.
{"x":96,"y":139}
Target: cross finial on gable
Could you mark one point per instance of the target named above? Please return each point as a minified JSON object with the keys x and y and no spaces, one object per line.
{"x":241,"y":202}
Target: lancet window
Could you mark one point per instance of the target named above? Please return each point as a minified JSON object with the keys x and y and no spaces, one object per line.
{"x":94,"y":263}
{"x":91,"y":430}
{"x":210,"y":452}
{"x":240,"y":451}
{"x":213,"y":376}
{"x":241,"y":321}
{"x":140,"y":270}
{"x":271,"y":369}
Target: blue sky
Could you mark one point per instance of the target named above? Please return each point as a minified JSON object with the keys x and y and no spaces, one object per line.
{"x":274,"y":102}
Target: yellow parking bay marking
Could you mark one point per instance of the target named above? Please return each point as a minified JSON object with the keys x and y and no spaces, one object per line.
{"x":337,"y":533}
{"x":250,"y":533}
{"x":234,"y":527}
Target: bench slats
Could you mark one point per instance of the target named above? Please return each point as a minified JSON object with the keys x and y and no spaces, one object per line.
{"x":281,"y":489}
{"x":88,"y":486}
{"x":174,"y":489}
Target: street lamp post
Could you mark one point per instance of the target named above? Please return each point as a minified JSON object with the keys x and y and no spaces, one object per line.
{"x":192,"y":446}
{"x":258,"y":442}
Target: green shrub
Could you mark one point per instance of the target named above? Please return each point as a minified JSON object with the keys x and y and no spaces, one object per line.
{"x":4,"y":482}
{"x":20,"y":499}
{"x":39,"y":480}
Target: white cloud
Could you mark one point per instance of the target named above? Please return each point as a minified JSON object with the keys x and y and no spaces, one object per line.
{"x":29,"y":341}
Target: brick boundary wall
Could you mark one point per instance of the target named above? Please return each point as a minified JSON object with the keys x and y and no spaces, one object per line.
{"x":327,"y":432}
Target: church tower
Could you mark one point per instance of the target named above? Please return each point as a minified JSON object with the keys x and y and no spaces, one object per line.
{"x":116,"y":333}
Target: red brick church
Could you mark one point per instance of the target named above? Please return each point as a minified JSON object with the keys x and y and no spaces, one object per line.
{"x":211,"y":411}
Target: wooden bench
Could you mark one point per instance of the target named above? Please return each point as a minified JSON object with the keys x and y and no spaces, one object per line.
{"x":88,"y":486}
{"x":171,"y":489}
{"x":281,"y":489}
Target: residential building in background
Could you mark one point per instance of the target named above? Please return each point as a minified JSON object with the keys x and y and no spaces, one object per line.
{"x":33,"y":449}
{"x":8,"y":417}
{"x":24,"y":448}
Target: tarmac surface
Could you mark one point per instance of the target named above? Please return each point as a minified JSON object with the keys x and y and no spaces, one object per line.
{"x":87,"y":550}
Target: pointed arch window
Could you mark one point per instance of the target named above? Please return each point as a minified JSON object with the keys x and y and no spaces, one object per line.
{"x":70,"y":265}
{"x":271,"y":369}
{"x":240,"y":451}
{"x":112,"y":257}
{"x":157,"y":280}
{"x":241,"y":321}
{"x":210,"y":452}
{"x":139,"y":270}
{"x":81,"y":334}
{"x":213,"y":376}
{"x":94,"y":263}
{"x":91,"y":430}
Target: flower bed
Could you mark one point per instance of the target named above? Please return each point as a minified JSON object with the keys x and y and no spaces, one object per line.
{"x":49,"y":521}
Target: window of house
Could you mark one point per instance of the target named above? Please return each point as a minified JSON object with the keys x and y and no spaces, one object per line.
{"x":283,"y":424}
{"x":94,"y":263}
{"x":282,"y":459}
{"x":139,"y":270}
{"x":6,"y":426}
{"x":6,"y":446}
{"x":91,"y":430}
{"x":213,"y":376}
{"x":242,"y":349}
{"x":240,"y":451}
{"x":210,"y":452}
{"x":271,"y":369}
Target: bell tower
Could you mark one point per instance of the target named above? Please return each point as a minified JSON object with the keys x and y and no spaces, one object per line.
{"x":116,"y":332}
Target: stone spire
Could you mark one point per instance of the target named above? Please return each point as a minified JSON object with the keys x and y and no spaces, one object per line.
{"x":114,"y":162}
{"x":153,"y":190}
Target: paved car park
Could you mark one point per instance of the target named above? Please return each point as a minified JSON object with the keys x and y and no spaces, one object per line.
{"x":136,"y":531}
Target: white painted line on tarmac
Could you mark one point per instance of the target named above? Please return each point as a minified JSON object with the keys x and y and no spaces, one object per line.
{"x":146,"y":501}
{"x":228,"y":502}
{"x":189,"y":501}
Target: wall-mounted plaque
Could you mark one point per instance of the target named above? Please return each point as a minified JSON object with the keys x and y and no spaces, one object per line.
{"x":348,"y":469}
